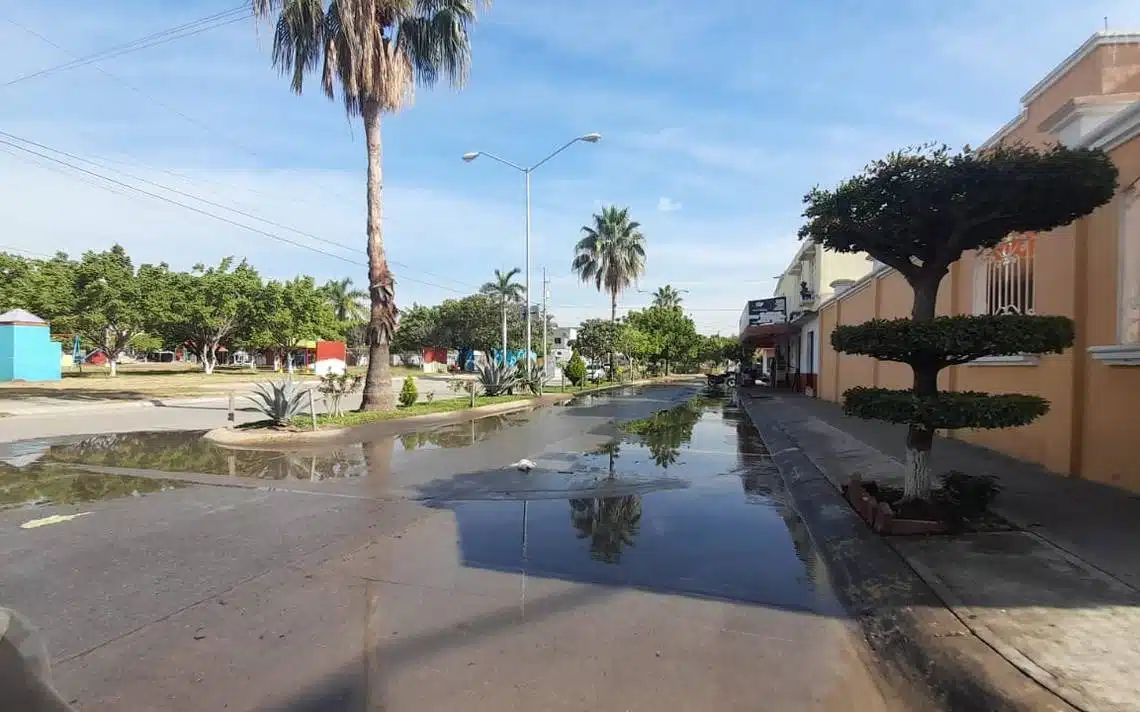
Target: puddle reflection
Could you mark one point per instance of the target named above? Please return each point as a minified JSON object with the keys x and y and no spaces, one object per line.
{"x":54,"y":484}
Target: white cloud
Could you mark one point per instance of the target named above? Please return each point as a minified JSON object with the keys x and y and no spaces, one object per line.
{"x":667,"y":205}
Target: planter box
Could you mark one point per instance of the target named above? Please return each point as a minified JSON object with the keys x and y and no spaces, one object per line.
{"x":881,"y":517}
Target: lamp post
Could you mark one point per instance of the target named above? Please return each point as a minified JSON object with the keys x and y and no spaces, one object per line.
{"x":526,"y":171}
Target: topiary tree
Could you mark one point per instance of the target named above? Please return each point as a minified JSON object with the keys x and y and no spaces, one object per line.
{"x":409,"y":394}
{"x":917,"y":211}
{"x":575,"y":369}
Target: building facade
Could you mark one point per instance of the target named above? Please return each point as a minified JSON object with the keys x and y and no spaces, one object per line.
{"x":1088,"y":270}
{"x":812,"y":277}
{"x":562,"y":340}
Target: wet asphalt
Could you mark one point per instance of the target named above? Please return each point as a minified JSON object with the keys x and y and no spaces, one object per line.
{"x":649,"y":561}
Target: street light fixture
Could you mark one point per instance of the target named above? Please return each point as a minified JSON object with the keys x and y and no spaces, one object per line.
{"x":526,"y":171}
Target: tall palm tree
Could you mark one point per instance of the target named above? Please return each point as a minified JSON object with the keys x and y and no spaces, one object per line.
{"x":611,"y":254}
{"x":346,"y":301}
{"x":374,"y":53}
{"x":508,"y":292}
{"x":667,"y":297}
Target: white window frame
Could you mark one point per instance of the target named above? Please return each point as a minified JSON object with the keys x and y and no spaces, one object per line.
{"x":1126,"y":350}
{"x":981,"y":302}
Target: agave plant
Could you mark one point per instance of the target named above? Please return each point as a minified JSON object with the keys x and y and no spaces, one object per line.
{"x":535,"y":378}
{"x":497,"y":377}
{"x":279,"y":401}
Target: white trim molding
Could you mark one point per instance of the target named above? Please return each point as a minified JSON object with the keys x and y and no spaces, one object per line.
{"x":1011,"y":360}
{"x":1098,"y":39}
{"x":1117,"y":354}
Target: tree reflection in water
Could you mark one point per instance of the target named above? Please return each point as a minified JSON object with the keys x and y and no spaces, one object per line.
{"x":459,"y":434}
{"x":52,"y":484}
{"x":664,"y":432}
{"x":610,"y":523}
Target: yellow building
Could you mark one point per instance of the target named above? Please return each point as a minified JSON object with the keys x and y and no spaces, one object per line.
{"x":1088,"y":270}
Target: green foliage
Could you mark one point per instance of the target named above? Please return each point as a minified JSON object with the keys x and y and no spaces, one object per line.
{"x":667,"y":297}
{"x":279,"y":401}
{"x":673,"y":335}
{"x":931,"y":204}
{"x":291,"y":312}
{"x":210,"y":306}
{"x":471,"y":321}
{"x":969,"y":495}
{"x":597,"y":338}
{"x":951,"y":340}
{"x":496,"y":377}
{"x":535,"y":378}
{"x":417,"y":330}
{"x":575,"y":369}
{"x":409,"y":394}
{"x":611,"y":253}
{"x":111,"y":299}
{"x":335,"y":386}
{"x":348,"y":303}
{"x":949,"y":410}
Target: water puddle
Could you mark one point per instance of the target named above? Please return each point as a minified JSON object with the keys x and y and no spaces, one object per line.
{"x":686,"y":501}
{"x":459,"y":434}
{"x":42,"y":484}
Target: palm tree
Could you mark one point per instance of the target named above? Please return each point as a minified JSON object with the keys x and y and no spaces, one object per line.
{"x":508,"y":292}
{"x":611,"y":253}
{"x":667,"y":297}
{"x":374,"y":52}
{"x":346,"y":301}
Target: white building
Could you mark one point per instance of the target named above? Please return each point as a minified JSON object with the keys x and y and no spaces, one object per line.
{"x":562,"y":339}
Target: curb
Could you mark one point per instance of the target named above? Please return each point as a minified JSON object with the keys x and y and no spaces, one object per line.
{"x":230,"y":437}
{"x":930,"y":656}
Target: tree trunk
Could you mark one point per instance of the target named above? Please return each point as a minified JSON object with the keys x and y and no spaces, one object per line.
{"x":504,"y":355}
{"x":920,"y":437}
{"x":378,"y":393}
{"x":613,"y":320}
{"x":113,"y":362}
{"x":210,"y":358}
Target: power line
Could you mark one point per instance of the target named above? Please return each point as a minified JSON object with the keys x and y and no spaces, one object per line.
{"x":189,"y":29}
{"x":215,"y":204}
{"x":244,"y":10}
{"x":171,"y":201}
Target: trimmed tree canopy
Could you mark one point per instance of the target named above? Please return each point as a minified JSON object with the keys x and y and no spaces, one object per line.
{"x":930,"y":204}
{"x":952,"y":340}
{"x":949,"y":410}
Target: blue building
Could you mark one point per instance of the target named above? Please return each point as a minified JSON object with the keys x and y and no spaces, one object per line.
{"x":27,"y":352}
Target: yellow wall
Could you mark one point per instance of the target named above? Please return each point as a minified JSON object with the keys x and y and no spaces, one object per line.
{"x":1092,"y":429}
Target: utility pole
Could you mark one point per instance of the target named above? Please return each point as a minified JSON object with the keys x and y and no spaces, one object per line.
{"x":545,"y":345}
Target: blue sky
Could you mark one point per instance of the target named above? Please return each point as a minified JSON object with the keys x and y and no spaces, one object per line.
{"x":715,"y":122}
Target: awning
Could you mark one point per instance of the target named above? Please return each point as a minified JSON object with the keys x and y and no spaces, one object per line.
{"x":760,"y":335}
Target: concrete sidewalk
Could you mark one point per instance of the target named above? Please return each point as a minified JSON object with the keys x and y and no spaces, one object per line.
{"x":1058,"y":599}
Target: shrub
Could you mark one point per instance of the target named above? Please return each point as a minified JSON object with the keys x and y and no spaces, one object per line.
{"x":279,"y":401}
{"x":334,"y":387}
{"x":969,"y":495}
{"x":409,"y":394}
{"x":575,"y":369}
{"x":496,"y":377}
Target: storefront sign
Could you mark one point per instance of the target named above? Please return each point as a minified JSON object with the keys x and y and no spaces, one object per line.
{"x":767,"y":311}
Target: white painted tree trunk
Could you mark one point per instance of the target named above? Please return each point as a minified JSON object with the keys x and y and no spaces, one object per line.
{"x":917,"y":484}
{"x":208,"y":364}
{"x":114,"y":364}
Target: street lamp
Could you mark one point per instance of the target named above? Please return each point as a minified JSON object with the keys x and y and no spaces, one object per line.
{"x":526,"y":171}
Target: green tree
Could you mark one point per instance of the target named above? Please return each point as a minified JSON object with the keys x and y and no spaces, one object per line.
{"x":636,"y":344}
{"x":418,"y":329}
{"x":667,"y":297}
{"x":575,"y":369}
{"x":212,"y":306}
{"x":374,"y":53}
{"x":917,"y":211}
{"x":673,"y":334}
{"x":611,"y":254}
{"x":507,"y":292}
{"x":597,"y":338}
{"x":471,"y":321}
{"x":112,"y":301}
{"x":347,"y":302}
{"x":289,"y":313}
{"x":44,"y":287}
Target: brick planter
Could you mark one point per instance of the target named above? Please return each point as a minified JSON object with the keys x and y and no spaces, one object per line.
{"x":881,"y":518}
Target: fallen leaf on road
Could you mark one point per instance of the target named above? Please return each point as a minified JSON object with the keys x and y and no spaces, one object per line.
{"x":53,"y":519}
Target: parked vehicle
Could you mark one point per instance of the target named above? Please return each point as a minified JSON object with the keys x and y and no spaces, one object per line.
{"x":722,"y":380}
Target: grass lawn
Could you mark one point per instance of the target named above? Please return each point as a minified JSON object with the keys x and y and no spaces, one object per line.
{"x":440,"y":406}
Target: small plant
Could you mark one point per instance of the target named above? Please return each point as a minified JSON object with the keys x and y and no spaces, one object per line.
{"x":409,"y":394}
{"x":575,"y":369}
{"x":334,"y":387}
{"x":969,"y":495}
{"x":279,"y":401}
{"x":430,"y":397}
{"x":496,"y":378}
{"x":535,"y":379}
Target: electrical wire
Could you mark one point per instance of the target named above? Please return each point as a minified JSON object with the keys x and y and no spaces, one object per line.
{"x":191,"y":208}
{"x":189,"y":29}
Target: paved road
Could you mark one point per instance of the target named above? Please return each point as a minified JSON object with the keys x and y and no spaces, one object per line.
{"x":177,"y":414}
{"x":656,"y":571}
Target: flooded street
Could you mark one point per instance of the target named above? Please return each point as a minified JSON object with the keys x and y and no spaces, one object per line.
{"x":649,"y":561}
